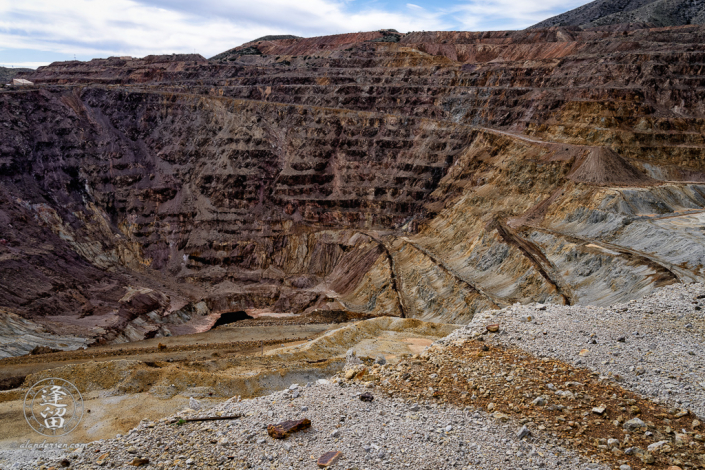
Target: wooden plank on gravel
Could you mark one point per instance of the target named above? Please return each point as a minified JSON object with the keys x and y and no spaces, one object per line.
{"x":208,"y":418}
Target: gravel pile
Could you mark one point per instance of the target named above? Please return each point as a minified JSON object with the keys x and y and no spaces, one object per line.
{"x":384,"y":433}
{"x":653,"y":346}
{"x":560,"y":403}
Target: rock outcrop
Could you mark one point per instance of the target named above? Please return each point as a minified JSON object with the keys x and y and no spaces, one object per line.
{"x":7,"y":74}
{"x":630,"y":14}
{"x":429,"y":175}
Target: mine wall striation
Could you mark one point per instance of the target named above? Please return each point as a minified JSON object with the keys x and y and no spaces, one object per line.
{"x":427,"y":175}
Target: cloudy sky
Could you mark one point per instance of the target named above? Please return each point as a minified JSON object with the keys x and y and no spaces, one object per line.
{"x":37,"y":32}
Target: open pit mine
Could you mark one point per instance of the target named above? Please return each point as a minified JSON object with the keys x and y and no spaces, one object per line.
{"x":428,"y":175}
{"x":182,"y":230}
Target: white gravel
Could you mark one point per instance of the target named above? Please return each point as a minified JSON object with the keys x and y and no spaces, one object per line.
{"x":654,"y":345}
{"x":384,"y":434}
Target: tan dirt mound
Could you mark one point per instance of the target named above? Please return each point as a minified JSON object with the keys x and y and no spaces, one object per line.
{"x":388,"y":336}
{"x":602,"y":166}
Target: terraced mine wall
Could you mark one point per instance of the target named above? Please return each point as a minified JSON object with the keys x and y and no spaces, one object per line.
{"x":430,"y":176}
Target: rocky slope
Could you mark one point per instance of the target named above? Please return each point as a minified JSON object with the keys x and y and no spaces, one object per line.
{"x":8,"y":73}
{"x":654,"y":13}
{"x":429,"y":175}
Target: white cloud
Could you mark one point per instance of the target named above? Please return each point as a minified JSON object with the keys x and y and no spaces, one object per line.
{"x":22,"y":65}
{"x":130,"y":27}
{"x":509,"y":14}
{"x":100,"y":28}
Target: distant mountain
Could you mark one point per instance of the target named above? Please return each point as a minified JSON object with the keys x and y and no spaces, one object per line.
{"x":7,"y":74}
{"x":652,"y":13}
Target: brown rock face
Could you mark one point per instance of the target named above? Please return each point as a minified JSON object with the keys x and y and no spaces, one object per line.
{"x":429,"y":175}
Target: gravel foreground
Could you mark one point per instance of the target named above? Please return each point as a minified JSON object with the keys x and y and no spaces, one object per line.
{"x":424,"y":420}
{"x":653,"y":346}
{"x":386,"y":433}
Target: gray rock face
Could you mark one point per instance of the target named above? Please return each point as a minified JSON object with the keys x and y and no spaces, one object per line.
{"x":523,"y":432}
{"x":19,"y":336}
{"x":351,"y":358}
{"x":634,"y":425}
{"x":194,"y":404}
{"x":654,"y":13}
{"x":539,"y":401}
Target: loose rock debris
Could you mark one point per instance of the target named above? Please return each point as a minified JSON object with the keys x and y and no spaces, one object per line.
{"x":388,"y":433}
{"x":568,"y":406}
{"x":328,"y":459}
{"x":286,"y":428}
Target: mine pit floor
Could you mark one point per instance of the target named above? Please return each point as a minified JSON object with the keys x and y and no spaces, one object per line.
{"x":127,"y":383}
{"x":224,"y":340}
